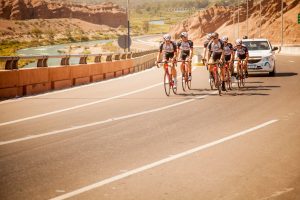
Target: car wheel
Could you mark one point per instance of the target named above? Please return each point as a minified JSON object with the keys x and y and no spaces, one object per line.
{"x":272,"y":73}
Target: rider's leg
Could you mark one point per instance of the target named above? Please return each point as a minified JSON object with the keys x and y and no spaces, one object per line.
{"x":174,"y":74}
{"x":190,"y":69}
{"x":238,"y":69}
{"x":246,"y":68}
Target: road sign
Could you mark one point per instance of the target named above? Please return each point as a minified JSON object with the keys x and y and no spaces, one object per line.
{"x":123,"y":41}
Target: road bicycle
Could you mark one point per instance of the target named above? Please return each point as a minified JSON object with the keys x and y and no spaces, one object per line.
{"x":228,"y":81}
{"x":186,"y":83}
{"x":169,"y":82}
{"x":240,"y":72}
{"x":215,"y":80}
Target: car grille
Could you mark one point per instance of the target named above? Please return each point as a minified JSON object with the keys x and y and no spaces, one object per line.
{"x":254,"y":59}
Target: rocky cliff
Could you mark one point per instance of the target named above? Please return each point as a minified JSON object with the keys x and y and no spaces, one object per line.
{"x":104,"y":14}
{"x":224,"y":21}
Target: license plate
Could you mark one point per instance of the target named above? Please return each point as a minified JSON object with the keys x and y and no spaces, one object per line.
{"x":252,"y":66}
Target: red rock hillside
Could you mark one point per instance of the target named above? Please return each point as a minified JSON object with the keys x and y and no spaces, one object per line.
{"x":220,"y":19}
{"x":105,"y":14}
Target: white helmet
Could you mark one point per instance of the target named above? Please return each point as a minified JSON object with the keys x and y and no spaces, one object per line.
{"x":238,"y":42}
{"x":208,"y":36}
{"x":184,"y":34}
{"x":167,"y":37}
{"x":225,"y":39}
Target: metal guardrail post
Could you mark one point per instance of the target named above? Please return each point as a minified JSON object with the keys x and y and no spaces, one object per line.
{"x":12,"y":63}
{"x":65,"y":60}
{"x":83,"y":59}
{"x":117,"y":57}
{"x":98,"y":59}
{"x":42,"y":62}
{"x":108,"y":58}
{"x":123,"y":56}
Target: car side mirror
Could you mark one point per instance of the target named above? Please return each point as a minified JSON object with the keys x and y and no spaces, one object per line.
{"x":275,"y":49}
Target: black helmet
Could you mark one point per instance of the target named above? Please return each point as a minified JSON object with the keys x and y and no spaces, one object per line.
{"x":245,"y":37}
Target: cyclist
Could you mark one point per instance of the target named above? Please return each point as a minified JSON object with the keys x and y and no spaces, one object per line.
{"x":216,"y":54}
{"x":242,"y":54}
{"x":228,"y":53}
{"x":168,"y":50}
{"x":207,"y":41}
{"x":185,"y":50}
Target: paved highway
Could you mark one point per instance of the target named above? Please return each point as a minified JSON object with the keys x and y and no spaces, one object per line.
{"x":124,"y":139}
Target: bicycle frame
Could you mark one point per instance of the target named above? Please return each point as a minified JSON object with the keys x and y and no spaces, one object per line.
{"x":185,"y":82}
{"x":216,"y":77}
{"x":168,"y":78}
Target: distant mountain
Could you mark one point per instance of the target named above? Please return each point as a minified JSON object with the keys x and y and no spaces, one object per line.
{"x":104,"y":14}
{"x":221,"y":19}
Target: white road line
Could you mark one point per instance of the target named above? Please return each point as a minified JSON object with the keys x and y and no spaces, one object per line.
{"x":79,"y":106}
{"x":160,"y":162}
{"x":82,"y":105}
{"x":100,"y":122}
{"x":76,"y":87}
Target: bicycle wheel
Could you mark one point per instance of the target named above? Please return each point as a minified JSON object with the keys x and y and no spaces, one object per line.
{"x":219,"y":84}
{"x":211,"y":82}
{"x":174,"y":89}
{"x":228,"y":80}
{"x":244,"y":79}
{"x":167,"y":82}
{"x":183,"y":82}
{"x":189,"y":84}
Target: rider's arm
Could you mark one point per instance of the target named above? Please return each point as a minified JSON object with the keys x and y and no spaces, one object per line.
{"x":158,"y":56}
{"x":247,"y":55}
{"x":191,"y":53}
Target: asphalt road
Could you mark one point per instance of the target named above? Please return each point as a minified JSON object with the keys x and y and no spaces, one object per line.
{"x":124,"y":139}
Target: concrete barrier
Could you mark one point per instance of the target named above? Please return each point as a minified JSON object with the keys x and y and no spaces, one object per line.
{"x":290,"y":50}
{"x":16,"y":83}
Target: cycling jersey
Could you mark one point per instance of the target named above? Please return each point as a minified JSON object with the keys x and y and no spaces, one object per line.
{"x":216,"y":49}
{"x":242,"y":52}
{"x":227,"y":51}
{"x":206,"y":43}
{"x":168,"y":50}
{"x":185,"y":48}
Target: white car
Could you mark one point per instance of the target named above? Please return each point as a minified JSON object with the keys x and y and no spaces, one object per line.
{"x":261,"y":56}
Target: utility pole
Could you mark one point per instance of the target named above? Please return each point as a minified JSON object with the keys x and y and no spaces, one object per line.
{"x":238,"y":18}
{"x":247,"y":18}
{"x":128,"y":27}
{"x":281,"y":23}
{"x":260,"y":19}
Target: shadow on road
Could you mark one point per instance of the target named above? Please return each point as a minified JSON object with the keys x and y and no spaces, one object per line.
{"x":278,"y":74}
{"x":285,"y":74}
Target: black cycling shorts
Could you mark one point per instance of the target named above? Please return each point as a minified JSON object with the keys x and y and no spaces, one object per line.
{"x":168,"y":56}
{"x":242,"y":57}
{"x":184,"y":55}
{"x":227,"y":58}
{"x":216,"y":56}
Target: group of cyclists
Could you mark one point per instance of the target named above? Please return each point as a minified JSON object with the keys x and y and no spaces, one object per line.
{"x":216,"y":51}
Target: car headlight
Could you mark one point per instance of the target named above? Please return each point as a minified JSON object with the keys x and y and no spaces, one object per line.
{"x":266,"y":59}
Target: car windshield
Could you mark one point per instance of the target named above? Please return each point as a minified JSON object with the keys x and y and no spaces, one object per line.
{"x":257,"y":45}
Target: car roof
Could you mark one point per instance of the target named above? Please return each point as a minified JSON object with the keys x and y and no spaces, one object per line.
{"x":255,"y":39}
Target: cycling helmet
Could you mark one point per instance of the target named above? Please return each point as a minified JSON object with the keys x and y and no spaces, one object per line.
{"x":238,"y":42}
{"x":184,"y":34}
{"x":215,"y":35}
{"x":208,"y":36}
{"x":225,"y":39}
{"x":167,"y":37}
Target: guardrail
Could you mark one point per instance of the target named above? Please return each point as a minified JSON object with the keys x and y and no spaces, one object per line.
{"x":11,"y":62}
{"x":16,"y":82}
